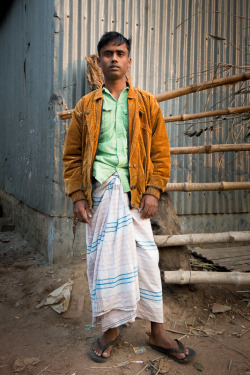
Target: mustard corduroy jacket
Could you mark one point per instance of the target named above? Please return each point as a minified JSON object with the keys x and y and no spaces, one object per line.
{"x":148,"y":146}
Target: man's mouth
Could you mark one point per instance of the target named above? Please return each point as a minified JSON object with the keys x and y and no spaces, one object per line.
{"x":114,"y":67}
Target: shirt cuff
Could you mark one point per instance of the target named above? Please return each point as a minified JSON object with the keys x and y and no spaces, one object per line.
{"x":77,"y":196}
{"x":151,"y":190}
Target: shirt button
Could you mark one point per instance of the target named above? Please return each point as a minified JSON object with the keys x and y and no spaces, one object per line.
{"x":87,"y":112}
{"x":132,"y":205}
{"x":130,"y":165}
{"x":131,"y":187}
{"x":135,"y":165}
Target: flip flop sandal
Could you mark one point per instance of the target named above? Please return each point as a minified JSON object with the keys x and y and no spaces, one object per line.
{"x":97,"y":358}
{"x":168,"y":352}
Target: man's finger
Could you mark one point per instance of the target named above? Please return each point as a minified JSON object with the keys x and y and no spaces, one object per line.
{"x":88,"y":212}
{"x":83,"y":217}
{"x":146,"y":212}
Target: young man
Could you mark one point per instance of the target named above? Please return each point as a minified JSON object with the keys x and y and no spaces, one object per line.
{"x":117,"y":162}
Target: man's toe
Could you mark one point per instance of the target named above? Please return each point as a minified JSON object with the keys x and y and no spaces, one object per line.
{"x":106,"y":352}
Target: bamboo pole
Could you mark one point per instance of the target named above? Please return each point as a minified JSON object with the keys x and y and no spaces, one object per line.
{"x":218,"y":112}
{"x":205,"y":277}
{"x":182,"y":91}
{"x":208,"y":149}
{"x":200,"y":238}
{"x":201,"y":86}
{"x":208,"y":186}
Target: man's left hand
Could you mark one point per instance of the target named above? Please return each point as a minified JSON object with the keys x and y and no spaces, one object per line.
{"x":148,"y":206}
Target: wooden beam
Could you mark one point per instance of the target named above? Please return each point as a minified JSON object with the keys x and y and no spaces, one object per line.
{"x":208,"y":186}
{"x":208,"y":149}
{"x":182,"y":91}
{"x":200,"y":238}
{"x":205,"y":277}
{"x":218,"y":112}
{"x":202,"y":86}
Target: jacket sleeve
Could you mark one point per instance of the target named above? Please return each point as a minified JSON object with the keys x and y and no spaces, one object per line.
{"x":160,"y":152}
{"x":72,"y":156}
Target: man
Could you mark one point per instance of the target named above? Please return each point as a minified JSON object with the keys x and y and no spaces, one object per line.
{"x":117,"y":162}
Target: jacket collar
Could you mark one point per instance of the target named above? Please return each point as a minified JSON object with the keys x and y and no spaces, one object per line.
{"x":131,"y":92}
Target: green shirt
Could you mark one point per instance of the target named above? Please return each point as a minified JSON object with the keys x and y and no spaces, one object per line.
{"x":112,"y":151}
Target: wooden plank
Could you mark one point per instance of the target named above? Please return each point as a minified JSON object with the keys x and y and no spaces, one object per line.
{"x":227,"y":256}
{"x":234,"y":261}
{"x":223,"y":252}
{"x":232,"y":258}
{"x":242,"y":268}
{"x":224,"y":249}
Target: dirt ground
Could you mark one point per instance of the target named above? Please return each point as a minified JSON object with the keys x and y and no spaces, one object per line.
{"x":62,"y":342}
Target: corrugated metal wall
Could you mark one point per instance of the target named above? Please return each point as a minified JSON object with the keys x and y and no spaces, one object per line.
{"x":27,"y":110}
{"x":175,"y":43}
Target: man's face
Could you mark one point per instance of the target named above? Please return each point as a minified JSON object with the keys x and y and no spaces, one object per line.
{"x":114,"y":61}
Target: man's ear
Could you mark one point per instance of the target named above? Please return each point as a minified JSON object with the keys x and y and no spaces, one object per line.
{"x":98,"y":61}
{"x":129,"y":62}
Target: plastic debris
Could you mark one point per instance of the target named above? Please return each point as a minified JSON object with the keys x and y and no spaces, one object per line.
{"x":139,"y":349}
{"x":59,"y":298}
{"x":23,"y":363}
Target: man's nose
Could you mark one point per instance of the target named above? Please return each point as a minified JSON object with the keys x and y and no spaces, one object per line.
{"x":114,"y":57}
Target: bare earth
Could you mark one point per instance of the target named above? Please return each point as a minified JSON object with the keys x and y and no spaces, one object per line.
{"x":62,"y":342}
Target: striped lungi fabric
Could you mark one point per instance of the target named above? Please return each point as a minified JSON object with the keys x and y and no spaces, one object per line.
{"x":122,"y":258}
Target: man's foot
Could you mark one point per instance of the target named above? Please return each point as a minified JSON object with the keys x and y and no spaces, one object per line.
{"x":161,"y":342}
{"x":101,"y":352}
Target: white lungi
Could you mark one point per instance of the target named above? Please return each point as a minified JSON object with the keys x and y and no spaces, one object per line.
{"x":122,"y":259}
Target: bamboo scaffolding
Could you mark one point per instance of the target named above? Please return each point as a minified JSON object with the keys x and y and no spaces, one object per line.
{"x":201,"y":238}
{"x":202,"y":86}
{"x":208,"y":186}
{"x":205,"y":277}
{"x":64,"y":115}
{"x":209,"y":149}
{"x":218,"y":112}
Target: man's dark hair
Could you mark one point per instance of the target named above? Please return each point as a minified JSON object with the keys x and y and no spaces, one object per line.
{"x":113,"y":36}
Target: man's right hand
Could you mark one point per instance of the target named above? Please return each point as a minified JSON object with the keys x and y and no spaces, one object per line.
{"x":81,"y":211}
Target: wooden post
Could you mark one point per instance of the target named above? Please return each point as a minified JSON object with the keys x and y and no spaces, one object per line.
{"x":166,"y":221}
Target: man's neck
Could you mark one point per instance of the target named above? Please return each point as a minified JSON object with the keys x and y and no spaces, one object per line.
{"x":116,"y":87}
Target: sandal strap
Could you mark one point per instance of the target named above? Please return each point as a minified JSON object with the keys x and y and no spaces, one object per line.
{"x":173,"y":350}
{"x":181,"y":347}
{"x":104,"y":347}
